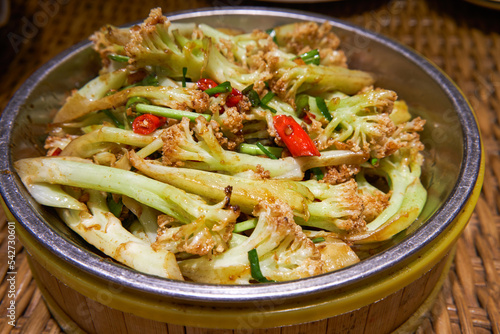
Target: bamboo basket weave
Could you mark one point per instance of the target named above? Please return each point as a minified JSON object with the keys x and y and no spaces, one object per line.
{"x":461,"y":38}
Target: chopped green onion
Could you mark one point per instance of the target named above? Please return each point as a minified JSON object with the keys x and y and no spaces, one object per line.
{"x":301,"y":104}
{"x":254,"y":98}
{"x":134,"y":100}
{"x":271,"y":109}
{"x":271,"y":32}
{"x":317,"y":240}
{"x":247,"y":89}
{"x":113,"y":118}
{"x":184,"y":72}
{"x":311,"y":57}
{"x":252,"y":95}
{"x":324,"y":110}
{"x":265,"y":100}
{"x":245,"y":225}
{"x":254,"y":149}
{"x":114,"y":207}
{"x":224,"y":87}
{"x":253,"y":257}
{"x":374,"y":161}
{"x":168,"y":112}
{"x":150,"y":80}
{"x":266,"y":151}
{"x":318,"y":173}
{"x":119,"y":58}
{"x":130,"y":119}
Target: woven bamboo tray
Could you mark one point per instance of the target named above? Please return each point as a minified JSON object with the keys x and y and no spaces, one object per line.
{"x":462,"y":38}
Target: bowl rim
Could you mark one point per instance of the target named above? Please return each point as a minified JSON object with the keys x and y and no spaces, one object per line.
{"x":91,"y":263}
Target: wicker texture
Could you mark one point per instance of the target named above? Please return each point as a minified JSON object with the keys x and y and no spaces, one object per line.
{"x":461,"y":38}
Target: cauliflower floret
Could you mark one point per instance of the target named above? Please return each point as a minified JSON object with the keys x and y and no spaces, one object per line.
{"x":361,"y":123}
{"x":285,"y":252}
{"x":302,"y":37}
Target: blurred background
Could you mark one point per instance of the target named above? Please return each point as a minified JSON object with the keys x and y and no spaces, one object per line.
{"x":463,"y":38}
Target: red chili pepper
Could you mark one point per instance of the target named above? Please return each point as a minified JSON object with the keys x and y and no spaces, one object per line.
{"x":295,"y":138}
{"x":309,"y":117}
{"x":234,"y":97}
{"x":205,"y":83}
{"x":162,"y":120}
{"x":56,"y":152}
{"x":147,"y":123}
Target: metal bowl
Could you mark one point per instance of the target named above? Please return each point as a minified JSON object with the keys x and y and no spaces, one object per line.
{"x":452,"y":174}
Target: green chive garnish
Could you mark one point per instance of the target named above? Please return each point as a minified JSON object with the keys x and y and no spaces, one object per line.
{"x":252,"y":95}
{"x":302,"y":105}
{"x":113,"y":118}
{"x":255,"y":267}
{"x":318,"y":173}
{"x":254,"y":149}
{"x":247,"y":89}
{"x":224,"y":87}
{"x":168,"y":112}
{"x":317,"y":240}
{"x":323,"y":108}
{"x":311,"y":57}
{"x":266,"y":151}
{"x":265,"y":100}
{"x":271,"y":32}
{"x":150,"y":80}
{"x":119,"y":58}
{"x":245,"y":225}
{"x":114,"y":207}
{"x":254,"y":98}
{"x":134,"y":100}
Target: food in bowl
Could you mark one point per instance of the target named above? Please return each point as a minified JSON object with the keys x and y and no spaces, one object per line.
{"x":223,"y":157}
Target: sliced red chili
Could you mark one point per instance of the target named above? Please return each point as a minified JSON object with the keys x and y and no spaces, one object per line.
{"x":163,"y":121}
{"x":56,"y":152}
{"x":295,"y":138}
{"x":234,"y":97}
{"x":205,"y":83}
{"x":309,"y":117}
{"x":147,"y":123}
